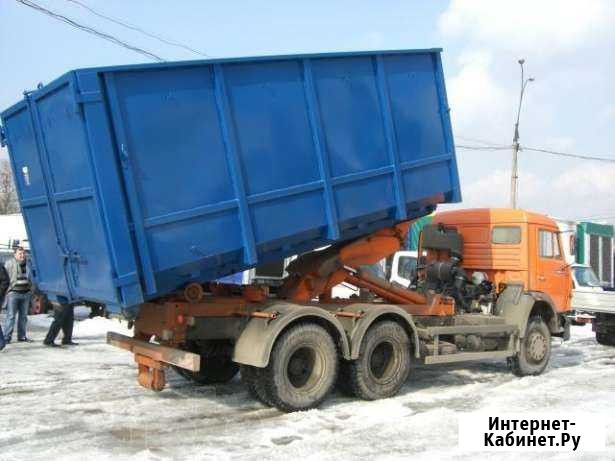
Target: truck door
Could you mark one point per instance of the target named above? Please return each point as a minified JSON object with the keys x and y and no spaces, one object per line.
{"x":552,"y":274}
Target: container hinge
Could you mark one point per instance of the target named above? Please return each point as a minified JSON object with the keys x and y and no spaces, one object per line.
{"x":2,"y":137}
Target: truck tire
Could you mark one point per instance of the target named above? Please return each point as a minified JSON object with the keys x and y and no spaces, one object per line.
{"x":383,"y":364}
{"x":248,"y":379}
{"x":216,"y":364}
{"x":251,"y":377}
{"x":302,"y":368}
{"x":604,"y":339}
{"x":535,"y":351}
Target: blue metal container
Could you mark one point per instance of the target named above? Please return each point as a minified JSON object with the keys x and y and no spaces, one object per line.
{"x":134,"y":180}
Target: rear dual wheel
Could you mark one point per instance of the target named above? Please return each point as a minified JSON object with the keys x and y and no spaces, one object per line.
{"x":383,"y":364}
{"x":303,"y":367}
{"x":301,"y":372}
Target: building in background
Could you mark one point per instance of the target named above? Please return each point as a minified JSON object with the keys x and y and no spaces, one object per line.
{"x":595,"y":248}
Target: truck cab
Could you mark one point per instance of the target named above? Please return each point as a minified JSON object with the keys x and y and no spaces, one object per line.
{"x":514,"y":247}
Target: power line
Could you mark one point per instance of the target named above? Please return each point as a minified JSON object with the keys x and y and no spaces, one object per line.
{"x":482,"y":141}
{"x":138,"y":29}
{"x":89,"y":30}
{"x":482,"y":148}
{"x":566,"y":154}
{"x":536,"y":149}
{"x":601,"y":216}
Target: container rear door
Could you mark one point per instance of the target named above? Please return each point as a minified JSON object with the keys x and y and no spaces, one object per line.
{"x":71,"y":188}
{"x":46,"y":248}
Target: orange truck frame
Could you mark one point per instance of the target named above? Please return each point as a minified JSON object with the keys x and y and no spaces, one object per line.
{"x":490,"y":284}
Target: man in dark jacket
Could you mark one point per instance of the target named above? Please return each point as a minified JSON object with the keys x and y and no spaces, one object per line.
{"x":63,"y":317}
{"x":4,"y":285}
{"x":18,"y":296}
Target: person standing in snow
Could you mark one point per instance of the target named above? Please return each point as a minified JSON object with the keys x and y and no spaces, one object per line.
{"x":63,"y":317}
{"x":19,"y":295}
{"x":4,"y":285}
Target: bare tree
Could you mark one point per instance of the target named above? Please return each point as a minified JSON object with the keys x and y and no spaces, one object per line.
{"x":8,"y":196}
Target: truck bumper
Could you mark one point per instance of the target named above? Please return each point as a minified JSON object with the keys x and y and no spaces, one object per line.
{"x":579,"y":318}
{"x":153,"y":359}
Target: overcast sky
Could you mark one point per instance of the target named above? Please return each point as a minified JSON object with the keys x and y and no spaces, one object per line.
{"x":569,"y":47}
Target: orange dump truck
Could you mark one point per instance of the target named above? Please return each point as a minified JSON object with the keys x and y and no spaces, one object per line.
{"x":490,"y":284}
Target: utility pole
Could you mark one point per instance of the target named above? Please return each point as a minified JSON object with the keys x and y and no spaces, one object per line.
{"x":514,"y":180}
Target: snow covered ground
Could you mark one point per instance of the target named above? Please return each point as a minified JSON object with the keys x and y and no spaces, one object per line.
{"x":84,"y":403}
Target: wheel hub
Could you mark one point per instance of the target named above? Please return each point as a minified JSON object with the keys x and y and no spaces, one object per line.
{"x":301,"y":367}
{"x":537,"y":346}
{"x":381,"y":360}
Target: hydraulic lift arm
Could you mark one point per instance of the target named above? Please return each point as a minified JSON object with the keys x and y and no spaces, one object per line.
{"x":315,"y":274}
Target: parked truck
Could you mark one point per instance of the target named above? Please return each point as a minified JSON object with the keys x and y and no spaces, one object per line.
{"x":142,"y":185}
{"x":592,"y":303}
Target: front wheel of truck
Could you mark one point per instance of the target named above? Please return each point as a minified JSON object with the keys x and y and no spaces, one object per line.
{"x":535,"y":350}
{"x":302,"y":368}
{"x":216,"y":364}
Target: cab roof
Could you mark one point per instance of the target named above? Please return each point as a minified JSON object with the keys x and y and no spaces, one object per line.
{"x":492,"y":216}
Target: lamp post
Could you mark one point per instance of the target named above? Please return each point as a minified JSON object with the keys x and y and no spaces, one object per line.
{"x":514,"y":180}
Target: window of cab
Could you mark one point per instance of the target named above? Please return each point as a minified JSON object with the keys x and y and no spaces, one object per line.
{"x":549,"y":245}
{"x":506,"y":235}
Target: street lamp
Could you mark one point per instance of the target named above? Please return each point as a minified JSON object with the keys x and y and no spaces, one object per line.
{"x":514,"y":180}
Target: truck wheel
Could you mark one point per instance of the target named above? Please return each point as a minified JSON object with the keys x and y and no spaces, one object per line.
{"x":216,"y":364}
{"x":604,"y":339}
{"x":248,"y":379}
{"x":383,"y":364}
{"x":302,"y":368}
{"x":251,"y":377}
{"x":535,"y":350}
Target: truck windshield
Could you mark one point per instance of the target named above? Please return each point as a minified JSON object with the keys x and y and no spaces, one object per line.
{"x":586,"y":277}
